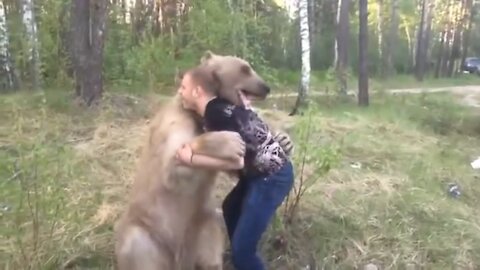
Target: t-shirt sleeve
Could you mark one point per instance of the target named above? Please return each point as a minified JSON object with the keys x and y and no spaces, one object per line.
{"x":219,"y":116}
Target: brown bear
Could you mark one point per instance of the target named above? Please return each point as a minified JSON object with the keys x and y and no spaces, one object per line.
{"x":228,"y":68}
{"x":170,"y":222}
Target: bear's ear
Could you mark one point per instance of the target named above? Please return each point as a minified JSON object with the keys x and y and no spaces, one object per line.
{"x":206,"y":56}
{"x":178,"y":75}
{"x":247,"y":70}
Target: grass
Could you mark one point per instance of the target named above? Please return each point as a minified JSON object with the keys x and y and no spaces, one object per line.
{"x":65,"y":173}
{"x":394,"y":210}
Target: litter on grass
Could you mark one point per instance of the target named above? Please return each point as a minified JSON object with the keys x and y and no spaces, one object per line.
{"x":476,"y":164}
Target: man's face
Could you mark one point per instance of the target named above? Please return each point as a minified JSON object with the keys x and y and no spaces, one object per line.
{"x":186,"y":92}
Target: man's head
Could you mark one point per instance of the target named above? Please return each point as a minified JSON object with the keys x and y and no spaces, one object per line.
{"x":235,"y":75}
{"x":197,"y":85}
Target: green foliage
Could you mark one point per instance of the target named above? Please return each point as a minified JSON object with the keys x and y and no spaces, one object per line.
{"x":311,"y":163}
{"x":37,"y":177}
{"x":263,"y":33}
{"x":52,"y":53}
{"x":151,"y":61}
{"x":35,"y":198}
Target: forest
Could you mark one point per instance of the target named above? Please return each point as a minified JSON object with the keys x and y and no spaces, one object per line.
{"x":123,"y":43}
{"x":375,"y":94}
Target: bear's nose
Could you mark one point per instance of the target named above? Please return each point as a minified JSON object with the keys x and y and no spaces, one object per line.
{"x":266,"y":89}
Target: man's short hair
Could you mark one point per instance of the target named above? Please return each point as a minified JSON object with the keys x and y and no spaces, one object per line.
{"x":205,"y":77}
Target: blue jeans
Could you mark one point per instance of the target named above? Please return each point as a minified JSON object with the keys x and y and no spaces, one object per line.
{"x":247,"y":211}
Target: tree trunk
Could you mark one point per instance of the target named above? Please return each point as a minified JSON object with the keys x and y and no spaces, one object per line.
{"x":428,"y":36}
{"x":458,"y":28}
{"x":337,"y":19}
{"x":243,"y":31}
{"x":447,"y":39}
{"x":343,"y":32}
{"x":305,"y":44}
{"x":123,"y":9}
{"x":466,"y":35}
{"x":28,"y":18}
{"x":423,"y":39}
{"x":413,"y":48}
{"x":311,"y":22}
{"x":88,"y":22}
{"x":156,"y":23}
{"x":363,"y":99}
{"x":440,"y":53}
{"x":419,"y":65}
{"x":392,"y":39}
{"x":380,"y":38}
{"x":65,"y":48}
{"x":8,"y":80}
{"x":139,"y":21}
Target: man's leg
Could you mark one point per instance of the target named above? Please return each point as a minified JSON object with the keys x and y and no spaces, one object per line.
{"x":260,"y":204}
{"x":232,"y":206}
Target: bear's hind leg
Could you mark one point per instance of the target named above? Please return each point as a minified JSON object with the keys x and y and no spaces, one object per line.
{"x":138,"y":251}
{"x":210,"y":245}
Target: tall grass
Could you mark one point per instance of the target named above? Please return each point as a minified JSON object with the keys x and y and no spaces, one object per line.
{"x":376,"y":183}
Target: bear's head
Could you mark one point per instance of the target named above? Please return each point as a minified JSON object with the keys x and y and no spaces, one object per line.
{"x":235,"y":75}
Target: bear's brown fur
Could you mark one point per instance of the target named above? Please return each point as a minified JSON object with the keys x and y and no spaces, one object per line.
{"x":170,"y":222}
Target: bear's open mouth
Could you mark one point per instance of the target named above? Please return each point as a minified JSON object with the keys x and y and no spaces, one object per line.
{"x":252,"y":96}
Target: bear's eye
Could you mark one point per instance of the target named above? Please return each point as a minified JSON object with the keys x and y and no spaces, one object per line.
{"x":245,"y":69}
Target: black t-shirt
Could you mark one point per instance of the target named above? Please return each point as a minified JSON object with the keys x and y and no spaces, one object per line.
{"x":220,"y":115}
{"x":263,"y":154}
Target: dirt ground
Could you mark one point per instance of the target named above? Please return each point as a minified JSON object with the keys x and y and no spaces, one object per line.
{"x":467,"y":95}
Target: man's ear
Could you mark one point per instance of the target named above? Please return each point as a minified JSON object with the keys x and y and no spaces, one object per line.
{"x":196,"y":91}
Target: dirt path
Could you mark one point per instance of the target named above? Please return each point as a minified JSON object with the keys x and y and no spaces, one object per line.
{"x":469,"y":95}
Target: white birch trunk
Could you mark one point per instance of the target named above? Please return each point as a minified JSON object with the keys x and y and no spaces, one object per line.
{"x":305,"y":44}
{"x":337,"y":22}
{"x":128,"y":7}
{"x":3,"y":32}
{"x":380,"y":34}
{"x":291,"y":7}
{"x":124,"y":7}
{"x":32,"y":40}
{"x":6,"y":65}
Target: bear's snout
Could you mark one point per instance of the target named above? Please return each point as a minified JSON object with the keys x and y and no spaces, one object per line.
{"x":265,"y":88}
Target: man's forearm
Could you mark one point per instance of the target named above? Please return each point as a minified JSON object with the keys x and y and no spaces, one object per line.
{"x":208,"y":162}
